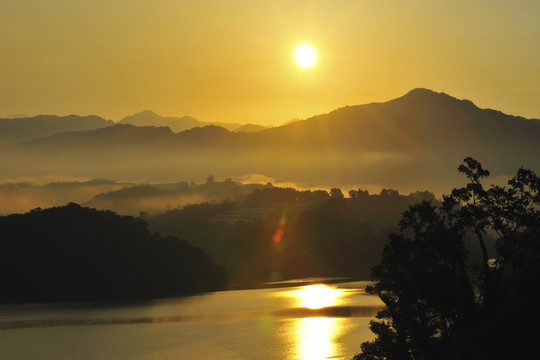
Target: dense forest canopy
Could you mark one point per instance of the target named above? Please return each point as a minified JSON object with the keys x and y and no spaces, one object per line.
{"x":438,"y":304}
{"x":72,"y":253}
{"x":282,"y":233}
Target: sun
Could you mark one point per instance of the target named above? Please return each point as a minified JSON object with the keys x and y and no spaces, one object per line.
{"x":305,"y":56}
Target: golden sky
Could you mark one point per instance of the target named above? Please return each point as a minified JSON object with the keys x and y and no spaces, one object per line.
{"x":220,"y":60}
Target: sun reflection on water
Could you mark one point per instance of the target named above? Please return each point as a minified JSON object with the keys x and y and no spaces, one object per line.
{"x":318,"y":296}
{"x":317,"y":336}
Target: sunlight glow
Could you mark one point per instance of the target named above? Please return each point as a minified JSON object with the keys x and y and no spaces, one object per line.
{"x":305,"y":56}
{"x":317,"y":338}
{"x":318,"y":296}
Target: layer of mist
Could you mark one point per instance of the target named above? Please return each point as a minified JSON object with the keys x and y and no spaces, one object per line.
{"x":121,"y":197}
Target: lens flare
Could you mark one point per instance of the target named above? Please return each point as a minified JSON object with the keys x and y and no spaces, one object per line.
{"x":278,"y":235}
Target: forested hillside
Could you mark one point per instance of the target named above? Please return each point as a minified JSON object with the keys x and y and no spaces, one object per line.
{"x":72,"y":253}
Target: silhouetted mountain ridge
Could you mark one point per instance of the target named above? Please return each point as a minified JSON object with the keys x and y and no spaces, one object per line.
{"x":103,"y":138}
{"x":249,"y":128}
{"x":150,"y":118}
{"x":418,"y":116}
{"x":15,"y":130}
{"x":418,"y":138}
{"x":179,"y":124}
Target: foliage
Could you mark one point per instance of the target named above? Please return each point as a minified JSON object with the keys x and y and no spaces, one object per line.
{"x":438,"y":306}
{"x":75,"y":253}
{"x":320,"y":232}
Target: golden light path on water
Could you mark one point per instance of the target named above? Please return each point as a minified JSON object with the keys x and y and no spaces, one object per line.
{"x":318,"y":296}
{"x":284,"y":323}
{"x":316,"y":336}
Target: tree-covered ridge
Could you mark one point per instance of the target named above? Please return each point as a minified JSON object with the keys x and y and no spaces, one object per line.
{"x":284,"y":233}
{"x":73,"y":253}
{"x":150,"y":200}
{"x":438,"y":306}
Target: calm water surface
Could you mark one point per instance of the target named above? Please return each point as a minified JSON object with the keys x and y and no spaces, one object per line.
{"x":311,"y":322}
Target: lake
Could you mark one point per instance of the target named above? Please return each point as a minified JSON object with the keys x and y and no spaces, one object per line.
{"x":311,"y":322}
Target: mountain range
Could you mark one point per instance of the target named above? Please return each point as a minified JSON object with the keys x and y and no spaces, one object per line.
{"x":15,"y":130}
{"x":178,"y":124}
{"x":413,"y":142}
{"x":21,"y":128}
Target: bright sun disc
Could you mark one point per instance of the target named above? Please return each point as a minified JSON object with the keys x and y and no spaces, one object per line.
{"x":305,"y":56}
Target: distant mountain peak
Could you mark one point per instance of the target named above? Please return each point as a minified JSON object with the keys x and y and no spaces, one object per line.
{"x":145,"y":114}
{"x":423,"y":91}
{"x":425,"y":96}
{"x":150,"y":118}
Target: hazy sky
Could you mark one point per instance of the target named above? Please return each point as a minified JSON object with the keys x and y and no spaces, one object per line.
{"x":232,"y":61}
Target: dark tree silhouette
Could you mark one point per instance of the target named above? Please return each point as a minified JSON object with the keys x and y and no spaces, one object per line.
{"x":358,"y":194}
{"x":438,"y":306}
{"x":336,"y":194}
{"x":75,"y":253}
